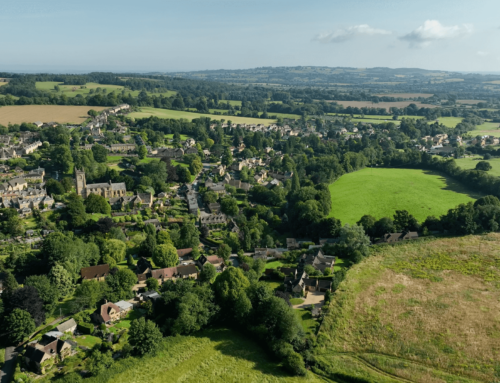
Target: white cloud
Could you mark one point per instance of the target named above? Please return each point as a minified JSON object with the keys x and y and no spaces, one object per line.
{"x":482,"y":53}
{"x":433,"y":30}
{"x":349,"y":33}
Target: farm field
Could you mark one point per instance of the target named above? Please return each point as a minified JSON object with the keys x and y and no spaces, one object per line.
{"x":488,"y":128}
{"x":450,"y":122}
{"x":17,"y":114}
{"x":386,"y":105}
{"x":212,"y":356}
{"x":405,"y":95}
{"x":176,"y":114}
{"x":420,"y":312}
{"x":73,"y":90}
{"x":380,"y":192}
{"x":469,"y":102}
{"x":470,"y":163}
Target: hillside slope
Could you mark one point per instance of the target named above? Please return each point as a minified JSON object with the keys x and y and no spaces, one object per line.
{"x":420,"y":312}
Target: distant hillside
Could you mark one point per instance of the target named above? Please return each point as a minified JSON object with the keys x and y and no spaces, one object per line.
{"x":419,"y":312}
{"x":384,"y":79}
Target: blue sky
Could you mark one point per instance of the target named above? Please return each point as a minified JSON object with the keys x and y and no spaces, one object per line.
{"x":183,"y":35}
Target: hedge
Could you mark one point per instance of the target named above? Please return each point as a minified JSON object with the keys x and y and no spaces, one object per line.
{"x":86,"y":328}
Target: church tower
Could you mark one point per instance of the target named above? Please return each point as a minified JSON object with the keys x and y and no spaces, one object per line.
{"x":81,"y":184}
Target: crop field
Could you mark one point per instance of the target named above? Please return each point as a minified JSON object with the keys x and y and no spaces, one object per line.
{"x":213,"y":356}
{"x":469,"y":102}
{"x":470,"y":163}
{"x":177,"y":114}
{"x":62,"y":114}
{"x":386,"y":105}
{"x":423,"y":311}
{"x":380,"y":192}
{"x":405,"y":95}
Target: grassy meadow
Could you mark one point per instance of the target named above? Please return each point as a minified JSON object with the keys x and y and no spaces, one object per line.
{"x":423,"y":311}
{"x":177,"y":114}
{"x":63,"y":114}
{"x":470,"y":163}
{"x":212,"y":356}
{"x":73,"y":90}
{"x":380,"y":192}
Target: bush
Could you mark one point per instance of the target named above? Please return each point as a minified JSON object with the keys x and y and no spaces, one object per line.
{"x":102,"y":327}
{"x":86,"y":328}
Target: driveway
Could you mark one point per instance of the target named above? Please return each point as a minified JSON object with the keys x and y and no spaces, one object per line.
{"x":313,"y":298}
{"x":7,"y":372}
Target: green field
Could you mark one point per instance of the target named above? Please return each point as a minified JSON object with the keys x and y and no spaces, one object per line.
{"x":213,"y":356}
{"x":73,"y":90}
{"x":450,"y":122}
{"x":419,"y":312}
{"x":380,"y":192}
{"x":177,"y":114}
{"x":470,"y":163}
{"x":488,"y":128}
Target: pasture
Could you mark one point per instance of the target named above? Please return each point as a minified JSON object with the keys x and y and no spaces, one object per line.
{"x":386,"y":105}
{"x":212,"y":356}
{"x":488,"y":128}
{"x":470,"y":163}
{"x":420,"y":312}
{"x":450,"y":122}
{"x":73,"y":90}
{"x":177,"y":114}
{"x":469,"y":102}
{"x":63,"y":114}
{"x":380,"y":192}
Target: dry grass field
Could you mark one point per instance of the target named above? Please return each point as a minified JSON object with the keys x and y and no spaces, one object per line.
{"x":58,"y":113}
{"x":469,"y":102}
{"x":386,"y":105}
{"x":405,"y":95}
{"x":422,"y":312}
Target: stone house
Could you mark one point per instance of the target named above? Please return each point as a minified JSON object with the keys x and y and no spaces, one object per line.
{"x":107,"y":313}
{"x":98,"y":273}
{"x":41,"y":356}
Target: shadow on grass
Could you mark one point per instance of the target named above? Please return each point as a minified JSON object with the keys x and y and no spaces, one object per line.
{"x":236,"y":345}
{"x":453,"y":185}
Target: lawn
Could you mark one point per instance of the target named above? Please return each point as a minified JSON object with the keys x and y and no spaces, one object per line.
{"x":309,"y":324}
{"x":421,"y":312}
{"x":450,"y":122}
{"x":177,"y":114}
{"x":296,"y":301}
{"x":340,"y":264}
{"x":470,"y":163}
{"x":88,"y":340}
{"x":171,"y":136}
{"x":125,"y":323}
{"x":17,"y":114}
{"x":272,"y":284}
{"x":380,"y":192}
{"x":219,"y":355}
{"x":274,"y":264}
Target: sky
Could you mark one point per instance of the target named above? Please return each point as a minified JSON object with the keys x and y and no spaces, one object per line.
{"x":186,"y":35}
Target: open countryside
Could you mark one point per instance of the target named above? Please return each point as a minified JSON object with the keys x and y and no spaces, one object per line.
{"x":30,"y":113}
{"x":166,"y":113}
{"x":380,"y":192}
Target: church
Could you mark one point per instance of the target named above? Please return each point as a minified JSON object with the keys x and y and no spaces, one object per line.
{"x":107,"y":190}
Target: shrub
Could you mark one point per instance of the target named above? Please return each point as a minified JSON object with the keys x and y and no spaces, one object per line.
{"x":102,"y":327}
{"x":46,"y":330}
{"x":86,"y":328}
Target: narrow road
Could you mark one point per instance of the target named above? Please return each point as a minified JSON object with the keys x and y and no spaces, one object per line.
{"x":7,"y":371}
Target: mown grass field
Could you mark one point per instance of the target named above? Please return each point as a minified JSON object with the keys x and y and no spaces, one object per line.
{"x":450,"y":122}
{"x":470,"y":163}
{"x":488,"y":128}
{"x":420,"y":312}
{"x":63,"y":114}
{"x":380,"y":192}
{"x":212,"y":356}
{"x":177,"y":114}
